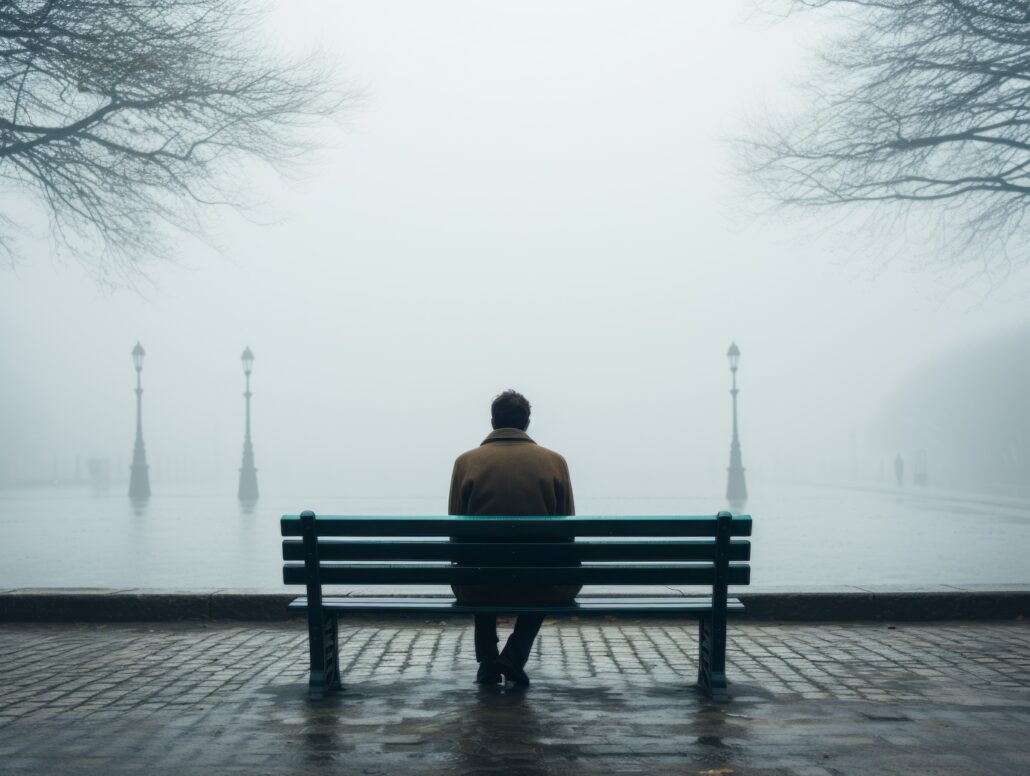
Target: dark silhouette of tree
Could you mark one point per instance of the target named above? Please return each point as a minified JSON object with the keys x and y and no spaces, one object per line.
{"x":127,"y":116}
{"x":918,"y":102}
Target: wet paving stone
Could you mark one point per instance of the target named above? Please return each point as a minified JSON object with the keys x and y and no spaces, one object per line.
{"x":609,"y":696}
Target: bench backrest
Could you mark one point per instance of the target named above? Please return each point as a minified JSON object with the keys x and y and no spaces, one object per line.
{"x":517,"y":550}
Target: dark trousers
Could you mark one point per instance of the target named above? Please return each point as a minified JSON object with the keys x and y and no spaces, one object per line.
{"x":519,"y":644}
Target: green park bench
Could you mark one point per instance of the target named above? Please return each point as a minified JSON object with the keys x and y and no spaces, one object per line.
{"x":516,"y":550}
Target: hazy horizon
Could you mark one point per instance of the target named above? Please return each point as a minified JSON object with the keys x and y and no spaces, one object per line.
{"x":531,"y":197}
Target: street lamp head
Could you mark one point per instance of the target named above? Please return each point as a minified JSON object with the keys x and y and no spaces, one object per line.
{"x":248,"y":360}
{"x":733,"y":354}
{"x":137,"y":356}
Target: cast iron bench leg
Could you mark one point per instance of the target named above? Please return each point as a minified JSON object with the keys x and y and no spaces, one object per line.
{"x":335,"y":639}
{"x":712,"y":628}
{"x":323,"y":634}
{"x":711,"y":662}
{"x":325,"y":663}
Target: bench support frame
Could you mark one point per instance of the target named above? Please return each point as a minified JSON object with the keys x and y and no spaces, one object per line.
{"x":323,"y":627}
{"x":711,"y":665}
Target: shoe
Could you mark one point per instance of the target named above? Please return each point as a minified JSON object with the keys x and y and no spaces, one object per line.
{"x":512,"y":673}
{"x":488,"y":673}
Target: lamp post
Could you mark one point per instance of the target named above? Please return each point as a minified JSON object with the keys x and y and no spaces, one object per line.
{"x":248,"y":474}
{"x":736,"y":486}
{"x":139,"y":480}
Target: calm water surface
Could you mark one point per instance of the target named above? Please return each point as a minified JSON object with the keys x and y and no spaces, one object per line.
{"x":803,"y":536}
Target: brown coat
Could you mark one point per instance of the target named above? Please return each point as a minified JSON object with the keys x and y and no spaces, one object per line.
{"x":511,"y":475}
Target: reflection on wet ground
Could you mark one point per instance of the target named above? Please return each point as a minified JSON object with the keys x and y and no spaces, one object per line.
{"x":612,"y":697}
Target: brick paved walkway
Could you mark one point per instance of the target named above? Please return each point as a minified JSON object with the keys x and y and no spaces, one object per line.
{"x":606,"y":696}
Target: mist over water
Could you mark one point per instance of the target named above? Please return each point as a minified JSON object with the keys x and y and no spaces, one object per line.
{"x":810,"y":537}
{"x":535,"y":197}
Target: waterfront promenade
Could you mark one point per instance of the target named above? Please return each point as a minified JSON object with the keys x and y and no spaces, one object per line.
{"x":607,"y":696}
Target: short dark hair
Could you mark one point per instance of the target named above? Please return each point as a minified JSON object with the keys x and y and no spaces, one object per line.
{"x":510,"y":410}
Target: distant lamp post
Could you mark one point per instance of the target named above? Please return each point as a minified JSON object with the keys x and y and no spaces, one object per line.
{"x":248,"y":474}
{"x":736,"y":486}
{"x":139,"y":481}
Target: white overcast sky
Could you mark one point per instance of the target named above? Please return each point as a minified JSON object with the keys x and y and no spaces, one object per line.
{"x":533,"y":195}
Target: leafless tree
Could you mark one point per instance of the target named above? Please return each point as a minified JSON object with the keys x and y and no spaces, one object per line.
{"x":124,"y":117}
{"x":919,"y":104}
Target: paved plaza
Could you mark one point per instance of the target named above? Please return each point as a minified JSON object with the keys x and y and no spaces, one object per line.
{"x":608,"y":696}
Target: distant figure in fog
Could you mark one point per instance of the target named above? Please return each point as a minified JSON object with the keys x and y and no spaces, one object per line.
{"x":899,"y":468}
{"x":503,"y":477}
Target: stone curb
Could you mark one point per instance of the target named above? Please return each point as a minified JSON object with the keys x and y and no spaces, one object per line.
{"x":887,"y":606}
{"x":892,"y":605}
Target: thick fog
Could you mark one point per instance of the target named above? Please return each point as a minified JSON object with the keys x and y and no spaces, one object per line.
{"x":533,"y":196}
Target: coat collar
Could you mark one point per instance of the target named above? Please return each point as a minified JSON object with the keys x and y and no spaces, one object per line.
{"x":507,"y":435}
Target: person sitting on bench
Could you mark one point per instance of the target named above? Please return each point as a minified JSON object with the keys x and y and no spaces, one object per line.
{"x":510,"y":475}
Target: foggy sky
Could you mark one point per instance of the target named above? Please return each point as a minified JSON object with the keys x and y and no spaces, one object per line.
{"x":535,"y":196}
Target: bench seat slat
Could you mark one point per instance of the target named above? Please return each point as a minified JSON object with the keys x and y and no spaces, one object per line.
{"x":514,"y":527}
{"x":529,"y":553}
{"x":437,"y":605}
{"x":614,"y":574}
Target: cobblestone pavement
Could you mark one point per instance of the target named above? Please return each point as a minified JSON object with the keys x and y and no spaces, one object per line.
{"x":607,"y":696}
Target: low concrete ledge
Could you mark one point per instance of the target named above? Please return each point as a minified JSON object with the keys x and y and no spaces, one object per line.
{"x":897,"y":606}
{"x":140,"y":605}
{"x":102,"y":605}
{"x":889,"y":604}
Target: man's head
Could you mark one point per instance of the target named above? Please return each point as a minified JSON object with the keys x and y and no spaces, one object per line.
{"x":510,"y":410}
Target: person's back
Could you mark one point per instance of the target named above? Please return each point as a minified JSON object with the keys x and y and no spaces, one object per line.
{"x":510,"y":475}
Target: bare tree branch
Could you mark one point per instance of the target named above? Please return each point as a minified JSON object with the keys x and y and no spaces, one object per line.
{"x":127,"y":116}
{"x":919,"y":101}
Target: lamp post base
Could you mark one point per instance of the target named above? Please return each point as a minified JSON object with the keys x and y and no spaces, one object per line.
{"x":139,"y":477}
{"x":248,"y":490}
{"x":736,"y":484}
{"x":736,"y":507}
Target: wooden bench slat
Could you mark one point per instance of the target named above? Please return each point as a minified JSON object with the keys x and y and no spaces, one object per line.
{"x":517,"y":553}
{"x":515,"y":527}
{"x":615,"y":574}
{"x":635,"y":605}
